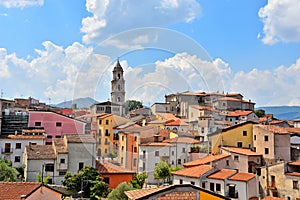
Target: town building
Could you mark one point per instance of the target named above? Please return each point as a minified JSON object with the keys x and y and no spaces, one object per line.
{"x":55,"y":125}
{"x":68,"y":154}
{"x":273,"y":142}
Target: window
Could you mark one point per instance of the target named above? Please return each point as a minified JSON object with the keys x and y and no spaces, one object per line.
{"x":254,"y":149}
{"x":37,"y":123}
{"x":135,"y":149}
{"x":144,"y":166}
{"x":106,"y":180}
{"x":119,"y":99}
{"x":236,"y":158}
{"x":212,"y":186}
{"x":135,"y":138}
{"x":227,"y":162}
{"x":80,"y":165}
{"x":134,"y":162}
{"x":106,"y":132}
{"x":106,"y":122}
{"x":239,"y":144}
{"x":156,"y":153}
{"x":58,"y":124}
{"x":100,"y":121}
{"x":122,"y":138}
{"x":49,"y":167}
{"x":218,"y":187}
{"x":17,"y":158}
{"x":266,"y":138}
{"x":119,"y":87}
{"x":122,"y":148}
{"x":144,"y":154}
{"x":254,"y":137}
{"x":179,"y":161}
{"x":266,"y":150}
{"x":62,"y":160}
{"x":183,"y":150}
{"x":58,"y":136}
{"x":203,"y":185}
{"x":172,"y":153}
{"x":180,"y":181}
{"x":18,"y":145}
{"x":62,"y":173}
{"x":244,"y":133}
{"x":192,"y":182}
{"x":295,"y":185}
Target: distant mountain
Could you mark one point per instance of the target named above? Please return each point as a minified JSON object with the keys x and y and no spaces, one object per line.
{"x":283,"y":112}
{"x":80,"y":103}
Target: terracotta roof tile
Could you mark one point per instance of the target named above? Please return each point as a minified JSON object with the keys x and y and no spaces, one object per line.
{"x":293,"y":174}
{"x":186,"y":140}
{"x":242,"y":176}
{"x":243,"y":151}
{"x":194,"y":172}
{"x":177,"y":122}
{"x":205,"y":160}
{"x":296,"y":163}
{"x":59,"y":144}
{"x":202,"y":107}
{"x":80,"y":138}
{"x":157,"y":144}
{"x":23,"y":137}
{"x":223,"y":174}
{"x":14,"y":190}
{"x":108,"y":168}
{"x":135,"y":194}
{"x":40,"y":152}
{"x":239,"y":113}
{"x":272,"y":198}
{"x":275,"y":129}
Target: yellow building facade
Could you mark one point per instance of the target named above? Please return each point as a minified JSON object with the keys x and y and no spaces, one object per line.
{"x":240,"y":135}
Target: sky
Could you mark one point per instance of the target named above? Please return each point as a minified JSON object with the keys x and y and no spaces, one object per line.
{"x":56,"y":50}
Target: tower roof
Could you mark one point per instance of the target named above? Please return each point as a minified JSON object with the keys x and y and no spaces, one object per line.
{"x":118,"y":67}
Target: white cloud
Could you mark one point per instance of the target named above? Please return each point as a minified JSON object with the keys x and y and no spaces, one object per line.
{"x":21,"y":3}
{"x":281,"y":24}
{"x":111,"y":17}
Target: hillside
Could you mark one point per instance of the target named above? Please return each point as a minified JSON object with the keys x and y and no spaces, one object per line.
{"x":283,"y":112}
{"x":80,"y":103}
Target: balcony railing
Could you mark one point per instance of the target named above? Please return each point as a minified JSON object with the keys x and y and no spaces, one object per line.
{"x":7,"y":150}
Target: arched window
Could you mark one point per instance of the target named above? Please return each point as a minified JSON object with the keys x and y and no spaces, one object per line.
{"x":119,"y":76}
{"x":119,"y":99}
{"x":119,"y":87}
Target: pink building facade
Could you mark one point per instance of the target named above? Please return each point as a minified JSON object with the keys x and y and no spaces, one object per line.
{"x":55,"y":125}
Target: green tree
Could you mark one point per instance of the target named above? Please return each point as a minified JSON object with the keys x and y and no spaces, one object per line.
{"x":112,"y":155}
{"x":119,"y":192}
{"x":45,"y":180}
{"x":99,"y":189}
{"x":259,"y":113}
{"x":162,"y":171}
{"x":20,"y":170}
{"x":7,"y":172}
{"x":138,"y":180}
{"x":132,"y":104}
{"x":87,"y":180}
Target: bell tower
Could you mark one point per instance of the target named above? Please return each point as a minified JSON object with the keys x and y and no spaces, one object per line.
{"x":118,"y":86}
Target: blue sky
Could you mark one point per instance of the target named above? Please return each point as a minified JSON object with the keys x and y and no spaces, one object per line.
{"x":63,"y":49}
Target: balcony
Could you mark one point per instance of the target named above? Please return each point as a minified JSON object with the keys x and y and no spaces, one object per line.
{"x":7,"y":150}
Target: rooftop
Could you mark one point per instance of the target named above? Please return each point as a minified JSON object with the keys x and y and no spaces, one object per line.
{"x":242,"y":176}
{"x":186,"y":140}
{"x":206,"y":160}
{"x":14,"y":190}
{"x":239,"y":113}
{"x":40,"y":152}
{"x":223,"y":174}
{"x":243,"y":151}
{"x":274,"y":129}
{"x":160,"y":144}
{"x":80,"y":138}
{"x":108,"y":168}
{"x":193,"y":172}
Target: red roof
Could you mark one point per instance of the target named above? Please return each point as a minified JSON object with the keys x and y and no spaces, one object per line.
{"x":177,"y":122}
{"x":14,"y":190}
{"x":239,"y":113}
{"x":206,"y":160}
{"x":243,"y":151}
{"x":293,"y":174}
{"x":272,"y":198}
{"x":109,"y":168}
{"x":297,"y":163}
{"x":193,"y":172}
{"x":223,"y":174}
{"x":186,"y":140}
{"x":275,"y":129}
{"x":242,"y":176}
